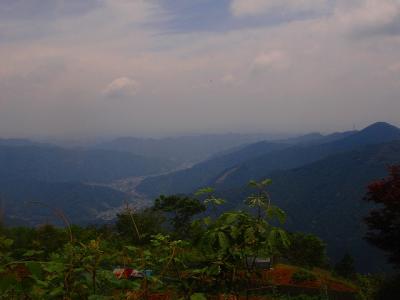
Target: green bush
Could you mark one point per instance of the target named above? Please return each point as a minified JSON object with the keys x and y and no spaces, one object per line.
{"x":302,"y":276}
{"x":305,"y":250}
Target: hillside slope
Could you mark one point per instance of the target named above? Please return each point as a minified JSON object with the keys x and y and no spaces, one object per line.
{"x":259,"y":159}
{"x":204,"y":173}
{"x":59,"y":164}
{"x":301,"y":155}
{"x":184,"y":149}
{"x":32,"y":202}
{"x":325,"y":198}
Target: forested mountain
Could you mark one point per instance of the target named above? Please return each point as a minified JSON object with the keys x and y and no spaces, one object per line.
{"x":317,"y":138}
{"x":31,"y":202}
{"x":325,"y":198}
{"x":317,"y":180}
{"x":201,"y":174}
{"x":320,"y":184}
{"x":300,"y":155}
{"x":185,"y":149}
{"x":58,"y":164}
{"x":257,"y":164}
{"x":20,"y":142}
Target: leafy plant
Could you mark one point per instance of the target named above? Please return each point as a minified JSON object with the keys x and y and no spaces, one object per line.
{"x":303,"y":276}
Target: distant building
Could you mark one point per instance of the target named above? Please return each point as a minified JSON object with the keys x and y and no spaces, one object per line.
{"x":260,"y":263}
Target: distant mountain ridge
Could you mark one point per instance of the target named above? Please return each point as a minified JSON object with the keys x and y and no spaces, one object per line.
{"x":300,"y":155}
{"x":319,"y":181}
{"x":326,"y":198}
{"x":59,"y":164}
{"x":258,"y":162}
{"x":201,"y":174}
{"x":13,"y":142}
{"x":318,"y":138}
{"x":31,"y":202}
{"x":379,"y":132}
{"x":185,"y":149}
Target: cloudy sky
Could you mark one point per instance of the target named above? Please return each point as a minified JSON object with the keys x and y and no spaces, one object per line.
{"x":149,"y":67}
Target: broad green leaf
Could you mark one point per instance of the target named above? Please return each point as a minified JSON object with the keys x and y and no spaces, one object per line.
{"x":198,"y":296}
{"x":35,"y":268}
{"x":31,"y":253}
{"x":276,"y":212}
{"x":253,"y":183}
{"x":206,"y":190}
{"x":266,"y":182}
{"x":223,"y":240}
{"x":7,"y":282}
{"x":207,"y":221}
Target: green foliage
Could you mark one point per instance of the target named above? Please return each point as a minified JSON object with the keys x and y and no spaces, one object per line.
{"x":369,"y":286}
{"x":234,"y":240}
{"x":345,"y":267}
{"x":303,"y":276}
{"x":49,"y":239}
{"x":196,"y":259}
{"x":305,"y":250}
{"x":198,"y":296}
{"x":211,"y":200}
{"x":138,"y":227}
{"x":182,"y":209}
{"x":5,"y":251}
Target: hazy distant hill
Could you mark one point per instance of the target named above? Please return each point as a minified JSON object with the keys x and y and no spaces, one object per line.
{"x":317,"y":138}
{"x":80,"y":203}
{"x":259,"y":159}
{"x":185,"y":149}
{"x":202,"y":174}
{"x":319,"y":184}
{"x":20,"y":142}
{"x":58,"y":164}
{"x":325,"y":198}
{"x":300,"y":155}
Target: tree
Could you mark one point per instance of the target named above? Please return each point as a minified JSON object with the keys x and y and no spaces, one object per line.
{"x":234,"y":241}
{"x":181,"y":209}
{"x":345,"y":267}
{"x":305,"y":250}
{"x":49,"y":238}
{"x":384,"y":222}
{"x":138,"y":227}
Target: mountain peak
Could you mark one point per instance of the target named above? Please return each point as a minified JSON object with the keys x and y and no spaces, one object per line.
{"x":375,"y":133}
{"x":381,"y":126}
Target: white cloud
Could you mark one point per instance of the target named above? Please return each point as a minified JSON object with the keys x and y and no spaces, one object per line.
{"x":274,"y":60}
{"x":243,"y":8}
{"x":297,"y":73}
{"x":122,"y":87}
{"x":368,"y":16}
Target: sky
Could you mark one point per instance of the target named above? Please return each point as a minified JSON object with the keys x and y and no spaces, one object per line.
{"x":163,"y":67}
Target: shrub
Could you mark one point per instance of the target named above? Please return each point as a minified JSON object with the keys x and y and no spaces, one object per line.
{"x":302,"y":276}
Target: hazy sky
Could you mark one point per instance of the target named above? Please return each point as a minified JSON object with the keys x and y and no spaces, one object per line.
{"x":137,"y":67}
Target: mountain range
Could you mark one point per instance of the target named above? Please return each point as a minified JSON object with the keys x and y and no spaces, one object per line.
{"x":256,"y":161}
{"x":63,"y":179}
{"x":319,"y":180}
{"x":182,"y":150}
{"x":48,"y":163}
{"x":32,"y":202}
{"x":326,"y":198}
